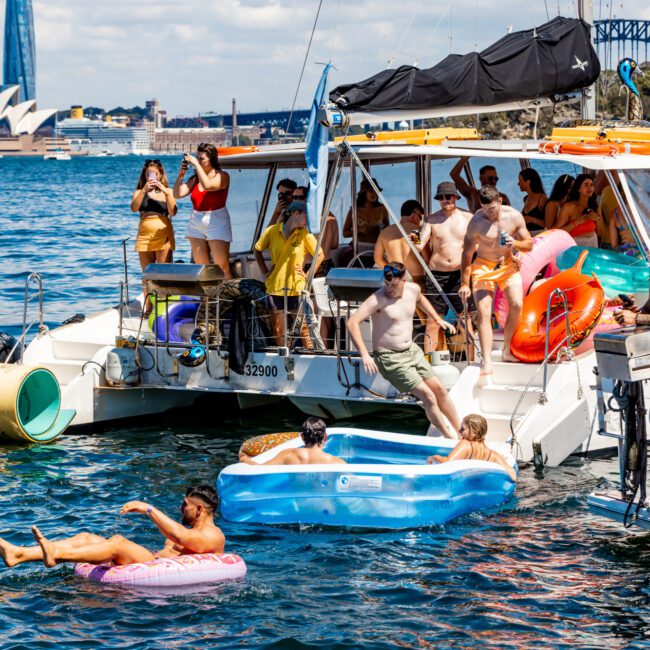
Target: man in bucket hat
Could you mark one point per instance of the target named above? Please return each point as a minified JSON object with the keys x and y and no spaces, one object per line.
{"x":444,"y":231}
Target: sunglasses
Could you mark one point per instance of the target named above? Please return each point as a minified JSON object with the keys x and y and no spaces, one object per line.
{"x":446,"y":197}
{"x":391,"y":272}
{"x":152,"y":161}
{"x":299,"y":197}
{"x":494,"y":179}
{"x":287,"y":193}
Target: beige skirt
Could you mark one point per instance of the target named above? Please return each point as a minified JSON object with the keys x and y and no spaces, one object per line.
{"x":155,"y":233}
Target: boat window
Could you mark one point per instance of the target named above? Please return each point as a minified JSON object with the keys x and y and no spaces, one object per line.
{"x":244,"y":201}
{"x":397,"y":181}
{"x":639,"y":183}
{"x":549,"y":171}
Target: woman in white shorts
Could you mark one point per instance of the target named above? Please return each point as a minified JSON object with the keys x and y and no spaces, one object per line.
{"x":209,"y":229}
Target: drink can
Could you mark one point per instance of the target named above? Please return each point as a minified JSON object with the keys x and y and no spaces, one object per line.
{"x":503,"y":241}
{"x":416,"y":236}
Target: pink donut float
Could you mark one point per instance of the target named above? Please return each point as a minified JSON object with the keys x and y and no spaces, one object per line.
{"x":180,"y":571}
{"x":547,"y":245}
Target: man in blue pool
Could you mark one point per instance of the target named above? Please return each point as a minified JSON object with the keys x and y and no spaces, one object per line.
{"x":196,"y":534}
{"x":314,"y":435}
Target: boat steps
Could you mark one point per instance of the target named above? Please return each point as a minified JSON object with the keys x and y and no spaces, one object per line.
{"x":503,"y":398}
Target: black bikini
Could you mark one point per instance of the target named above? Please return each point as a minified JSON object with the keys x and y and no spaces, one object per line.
{"x":472,"y":454}
{"x":153,"y":205}
{"x":537,"y":213}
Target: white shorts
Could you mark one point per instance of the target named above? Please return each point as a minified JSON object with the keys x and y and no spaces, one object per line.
{"x":210,"y":225}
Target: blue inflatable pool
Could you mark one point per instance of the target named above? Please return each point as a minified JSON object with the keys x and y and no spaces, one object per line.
{"x":386,"y":484}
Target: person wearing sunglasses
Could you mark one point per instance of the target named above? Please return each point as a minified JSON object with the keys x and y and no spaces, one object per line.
{"x":487,"y":176}
{"x":154,"y":200}
{"x":289,"y":243}
{"x":443,"y":234}
{"x":495,"y":233}
{"x":209,"y":230}
{"x":395,"y":356}
{"x":285,"y":188}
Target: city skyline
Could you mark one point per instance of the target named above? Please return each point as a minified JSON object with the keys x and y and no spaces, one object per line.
{"x":196,"y":56}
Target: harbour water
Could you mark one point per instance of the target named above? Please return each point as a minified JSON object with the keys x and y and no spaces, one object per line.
{"x":539,"y":572}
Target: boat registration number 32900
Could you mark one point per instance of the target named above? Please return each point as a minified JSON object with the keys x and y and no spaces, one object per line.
{"x":260,"y":370}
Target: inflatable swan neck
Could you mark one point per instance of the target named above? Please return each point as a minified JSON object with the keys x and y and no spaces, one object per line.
{"x":580,"y":261}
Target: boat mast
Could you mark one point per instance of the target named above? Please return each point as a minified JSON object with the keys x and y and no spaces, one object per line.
{"x":588,"y":103}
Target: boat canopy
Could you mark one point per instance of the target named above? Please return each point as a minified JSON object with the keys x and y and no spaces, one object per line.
{"x":544,"y":62}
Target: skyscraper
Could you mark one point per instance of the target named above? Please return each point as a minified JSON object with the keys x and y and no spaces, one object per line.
{"x":19,"y":58}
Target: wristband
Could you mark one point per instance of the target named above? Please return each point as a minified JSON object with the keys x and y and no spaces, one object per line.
{"x":149,"y":510}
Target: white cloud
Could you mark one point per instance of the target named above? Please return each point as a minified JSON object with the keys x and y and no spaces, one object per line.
{"x":196,"y":55}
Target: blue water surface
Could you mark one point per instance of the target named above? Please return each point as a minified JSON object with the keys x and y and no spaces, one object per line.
{"x":540,"y":572}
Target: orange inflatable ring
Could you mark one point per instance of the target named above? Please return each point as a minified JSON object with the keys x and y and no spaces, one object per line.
{"x":233,"y":151}
{"x":259,"y":444}
{"x":595,"y":148}
{"x":586,"y":300}
{"x":580,"y":148}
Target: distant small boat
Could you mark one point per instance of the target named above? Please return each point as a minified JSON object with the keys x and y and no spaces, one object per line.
{"x":57,"y":154}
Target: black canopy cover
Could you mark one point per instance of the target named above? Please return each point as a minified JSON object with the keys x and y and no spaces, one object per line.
{"x":552,"y":59}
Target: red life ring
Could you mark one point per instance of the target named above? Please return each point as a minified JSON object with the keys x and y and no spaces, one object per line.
{"x":586,"y":300}
{"x":580,"y":148}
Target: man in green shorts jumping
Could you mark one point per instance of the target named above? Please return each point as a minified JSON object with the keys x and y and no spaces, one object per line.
{"x":395,"y":356}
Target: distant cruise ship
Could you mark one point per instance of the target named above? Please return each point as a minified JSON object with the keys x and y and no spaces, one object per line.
{"x":102,"y":138}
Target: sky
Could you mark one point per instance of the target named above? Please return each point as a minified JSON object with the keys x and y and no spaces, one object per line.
{"x":196,"y":55}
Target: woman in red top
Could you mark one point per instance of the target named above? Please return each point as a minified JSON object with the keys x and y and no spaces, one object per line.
{"x":580,"y":214}
{"x":209,"y":229}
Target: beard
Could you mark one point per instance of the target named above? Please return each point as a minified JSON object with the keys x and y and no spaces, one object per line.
{"x":186,"y":520}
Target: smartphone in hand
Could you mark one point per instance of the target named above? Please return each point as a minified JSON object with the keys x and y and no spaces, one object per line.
{"x":626,"y":300}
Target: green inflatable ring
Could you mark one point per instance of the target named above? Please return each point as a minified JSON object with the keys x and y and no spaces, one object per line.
{"x":617,"y":273}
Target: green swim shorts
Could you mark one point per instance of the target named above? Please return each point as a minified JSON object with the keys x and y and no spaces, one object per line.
{"x":405,"y":369}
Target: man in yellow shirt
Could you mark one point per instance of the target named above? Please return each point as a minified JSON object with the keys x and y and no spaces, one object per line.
{"x":289,"y":243}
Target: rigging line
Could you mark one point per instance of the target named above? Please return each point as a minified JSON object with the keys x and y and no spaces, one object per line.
{"x":336,"y":30}
{"x":404,"y":33}
{"x":302,"y":71}
{"x":547,"y":14}
{"x":435,"y":29}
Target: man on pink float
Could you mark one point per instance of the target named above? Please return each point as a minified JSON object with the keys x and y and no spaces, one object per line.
{"x":197,"y":534}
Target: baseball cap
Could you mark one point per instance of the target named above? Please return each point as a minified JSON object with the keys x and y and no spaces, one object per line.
{"x":297,"y":206}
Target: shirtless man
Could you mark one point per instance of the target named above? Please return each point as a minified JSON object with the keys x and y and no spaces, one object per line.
{"x":487,"y":175}
{"x":395,"y":356}
{"x":391,"y":245}
{"x":494,"y":265}
{"x":445,"y":230}
{"x":314,"y":435}
{"x":197,"y":534}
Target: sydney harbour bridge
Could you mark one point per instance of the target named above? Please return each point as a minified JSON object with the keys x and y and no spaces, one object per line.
{"x":619,"y":37}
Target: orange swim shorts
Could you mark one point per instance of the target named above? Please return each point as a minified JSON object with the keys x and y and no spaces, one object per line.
{"x":486,"y":276}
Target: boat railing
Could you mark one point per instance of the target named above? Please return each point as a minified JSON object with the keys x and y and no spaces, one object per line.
{"x":30,"y":296}
{"x":562,"y":350}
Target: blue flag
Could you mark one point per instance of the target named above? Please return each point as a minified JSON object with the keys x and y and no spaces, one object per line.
{"x":316,"y":156}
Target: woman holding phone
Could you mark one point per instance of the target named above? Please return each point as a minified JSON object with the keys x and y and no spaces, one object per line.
{"x":209,"y":229}
{"x":154,"y":200}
